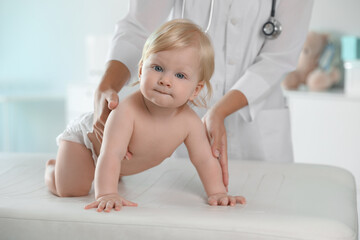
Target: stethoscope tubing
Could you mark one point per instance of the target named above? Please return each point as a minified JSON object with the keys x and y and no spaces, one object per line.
{"x":272,"y":19}
{"x":210,"y":16}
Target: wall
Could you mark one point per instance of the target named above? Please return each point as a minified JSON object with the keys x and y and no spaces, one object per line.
{"x":44,"y":41}
{"x":42,"y":49}
{"x":341,"y":16}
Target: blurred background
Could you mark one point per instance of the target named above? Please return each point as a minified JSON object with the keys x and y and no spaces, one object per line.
{"x":52,"y":56}
{"x":45,"y":46}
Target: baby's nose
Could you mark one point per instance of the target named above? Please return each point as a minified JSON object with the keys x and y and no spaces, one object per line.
{"x":165,"y":81}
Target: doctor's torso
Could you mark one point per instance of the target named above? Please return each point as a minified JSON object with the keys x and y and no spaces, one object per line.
{"x":244,"y":61}
{"x":235,"y":32}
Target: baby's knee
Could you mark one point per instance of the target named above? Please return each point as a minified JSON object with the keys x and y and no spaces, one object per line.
{"x":70,"y":186}
{"x":78,"y":191}
{"x":66,"y":188}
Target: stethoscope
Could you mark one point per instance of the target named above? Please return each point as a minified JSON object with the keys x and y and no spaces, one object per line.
{"x":271,"y":29}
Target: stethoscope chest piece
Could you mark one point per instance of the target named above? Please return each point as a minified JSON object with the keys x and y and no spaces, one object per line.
{"x":271,"y":28}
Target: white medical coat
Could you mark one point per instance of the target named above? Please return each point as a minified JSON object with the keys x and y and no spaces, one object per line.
{"x":244,"y":60}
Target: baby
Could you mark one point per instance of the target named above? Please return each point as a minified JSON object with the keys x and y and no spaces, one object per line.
{"x":177,"y":61}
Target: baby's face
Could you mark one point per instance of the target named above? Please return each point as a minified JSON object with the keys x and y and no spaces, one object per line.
{"x":171,"y":78}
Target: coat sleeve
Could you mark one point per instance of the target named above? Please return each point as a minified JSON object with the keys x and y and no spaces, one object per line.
{"x":132,"y":31}
{"x":277,"y":57}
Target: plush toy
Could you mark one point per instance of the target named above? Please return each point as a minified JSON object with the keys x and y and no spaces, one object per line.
{"x":317,"y":67}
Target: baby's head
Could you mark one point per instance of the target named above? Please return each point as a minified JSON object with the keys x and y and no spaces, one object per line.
{"x":180,"y":34}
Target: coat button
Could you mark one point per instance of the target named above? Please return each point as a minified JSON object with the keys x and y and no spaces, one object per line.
{"x":234,"y":21}
{"x":231,"y":61}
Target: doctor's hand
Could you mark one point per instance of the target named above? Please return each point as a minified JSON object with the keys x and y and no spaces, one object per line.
{"x":105,"y":102}
{"x":106,"y":98}
{"x":216,"y":132}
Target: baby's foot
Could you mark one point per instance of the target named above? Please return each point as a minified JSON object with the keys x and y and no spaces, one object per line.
{"x":49,"y":175}
{"x":51,"y":162}
{"x":49,"y":170}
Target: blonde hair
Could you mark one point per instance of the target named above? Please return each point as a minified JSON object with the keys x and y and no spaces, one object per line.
{"x":181,"y":33}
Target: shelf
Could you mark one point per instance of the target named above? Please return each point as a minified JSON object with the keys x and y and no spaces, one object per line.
{"x":30,"y":96}
{"x":331,"y":94}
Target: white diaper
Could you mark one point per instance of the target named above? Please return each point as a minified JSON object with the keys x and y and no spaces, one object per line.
{"x":77,"y":130}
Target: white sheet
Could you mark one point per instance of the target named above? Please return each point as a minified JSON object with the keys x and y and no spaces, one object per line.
{"x":285,"y":201}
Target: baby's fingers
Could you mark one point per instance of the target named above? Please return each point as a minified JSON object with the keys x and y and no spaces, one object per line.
{"x":101,"y":206}
{"x":118,"y":205}
{"x":224,"y":201}
{"x":232,"y":200}
{"x":128,"y":203}
{"x":92,"y":205}
{"x":212,"y":201}
{"x":240,"y":199}
{"x":109,"y":205}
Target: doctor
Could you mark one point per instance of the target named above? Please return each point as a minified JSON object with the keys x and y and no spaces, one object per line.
{"x":256,"y":43}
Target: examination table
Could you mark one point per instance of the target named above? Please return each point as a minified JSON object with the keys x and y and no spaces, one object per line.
{"x":284,"y":201}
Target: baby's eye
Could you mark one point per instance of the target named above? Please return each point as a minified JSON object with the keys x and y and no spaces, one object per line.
{"x":158,"y":68}
{"x":180,"y":75}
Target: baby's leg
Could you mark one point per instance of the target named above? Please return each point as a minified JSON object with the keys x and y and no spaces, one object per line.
{"x":72,"y":173}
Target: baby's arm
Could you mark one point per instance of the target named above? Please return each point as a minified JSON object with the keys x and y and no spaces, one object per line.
{"x":116,"y":138}
{"x":207,"y":166}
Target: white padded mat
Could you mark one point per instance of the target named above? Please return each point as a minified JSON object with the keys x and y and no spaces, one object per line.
{"x":285,"y":201}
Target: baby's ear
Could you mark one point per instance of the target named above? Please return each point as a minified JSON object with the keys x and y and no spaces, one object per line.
{"x":197,"y":90}
{"x":140,"y":69}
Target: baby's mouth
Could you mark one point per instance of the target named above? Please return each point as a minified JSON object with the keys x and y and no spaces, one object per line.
{"x":162,"y":92}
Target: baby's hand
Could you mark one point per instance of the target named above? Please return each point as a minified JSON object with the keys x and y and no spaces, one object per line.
{"x":110,"y":201}
{"x":223,"y":199}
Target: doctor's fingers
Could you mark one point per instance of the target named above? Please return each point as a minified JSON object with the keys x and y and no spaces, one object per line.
{"x":112,"y":99}
{"x":217,"y":141}
{"x":224,"y":161}
{"x":206,"y":129}
{"x":216,"y":130}
{"x":100,"y":120}
{"x":99,"y":132}
{"x":98,"y":126}
{"x":128,"y":155}
{"x":219,"y":150}
{"x":102,"y":108}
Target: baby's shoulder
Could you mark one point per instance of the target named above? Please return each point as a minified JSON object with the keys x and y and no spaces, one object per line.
{"x":129,"y":105}
{"x":190,"y":117}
